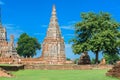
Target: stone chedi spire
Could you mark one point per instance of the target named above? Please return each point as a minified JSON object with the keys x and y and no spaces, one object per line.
{"x":6,"y":48}
{"x":2,"y":33}
{"x":53,"y":51}
{"x":2,"y":30}
{"x":53,"y":30}
{"x":11,"y":48}
{"x":3,"y":39}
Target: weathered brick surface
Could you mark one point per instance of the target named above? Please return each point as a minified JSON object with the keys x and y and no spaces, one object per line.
{"x":7,"y":49}
{"x":32,"y":61}
{"x":53,"y":47}
{"x":66,"y":67}
{"x":115,"y":71}
{"x":6,"y":60}
{"x":84,"y":59}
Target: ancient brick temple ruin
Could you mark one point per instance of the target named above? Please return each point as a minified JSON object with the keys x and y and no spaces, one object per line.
{"x":115,"y":71}
{"x":7,"y":49}
{"x":53,"y":48}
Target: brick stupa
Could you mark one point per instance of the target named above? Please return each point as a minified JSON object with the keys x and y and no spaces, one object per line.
{"x":53,"y":48}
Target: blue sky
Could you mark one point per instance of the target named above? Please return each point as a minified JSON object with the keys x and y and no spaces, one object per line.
{"x":33,"y":16}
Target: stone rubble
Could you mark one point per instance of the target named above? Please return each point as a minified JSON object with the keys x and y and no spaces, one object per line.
{"x":115,"y":71}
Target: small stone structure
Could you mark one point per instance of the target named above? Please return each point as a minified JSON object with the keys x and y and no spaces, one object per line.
{"x":103,"y":62}
{"x":115,"y":71}
{"x":84,"y":59}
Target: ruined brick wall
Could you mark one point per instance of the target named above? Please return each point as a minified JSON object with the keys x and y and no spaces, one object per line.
{"x":115,"y":71}
{"x":6,"y":60}
{"x":32,"y":61}
{"x":66,"y":67}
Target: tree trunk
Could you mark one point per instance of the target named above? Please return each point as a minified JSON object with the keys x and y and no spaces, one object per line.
{"x":96,"y":57}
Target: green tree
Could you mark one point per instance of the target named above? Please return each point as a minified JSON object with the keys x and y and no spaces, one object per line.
{"x":111,"y":58}
{"x":27,"y":45}
{"x":93,"y":61}
{"x":68,"y":59}
{"x":76,"y":61}
{"x":96,"y":32}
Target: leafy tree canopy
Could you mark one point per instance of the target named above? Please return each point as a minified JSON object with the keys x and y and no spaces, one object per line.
{"x":96,"y":32}
{"x":27,"y":45}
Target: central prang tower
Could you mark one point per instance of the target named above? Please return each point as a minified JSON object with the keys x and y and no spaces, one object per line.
{"x":53,"y":48}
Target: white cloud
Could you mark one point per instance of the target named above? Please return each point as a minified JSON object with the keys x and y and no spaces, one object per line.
{"x":1,"y":3}
{"x":8,"y":26}
{"x":12,"y":29}
{"x":69,"y":27}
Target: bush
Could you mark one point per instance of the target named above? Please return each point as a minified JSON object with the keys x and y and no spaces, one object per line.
{"x":111,"y":58}
{"x":76,"y":61}
{"x":93,"y":61}
{"x":68,"y":59}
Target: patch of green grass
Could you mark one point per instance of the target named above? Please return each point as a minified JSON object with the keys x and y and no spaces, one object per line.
{"x":5,"y":65}
{"x":60,"y":75}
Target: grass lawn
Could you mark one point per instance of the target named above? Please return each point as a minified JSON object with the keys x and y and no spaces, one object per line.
{"x":60,"y":75}
{"x":5,"y":64}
